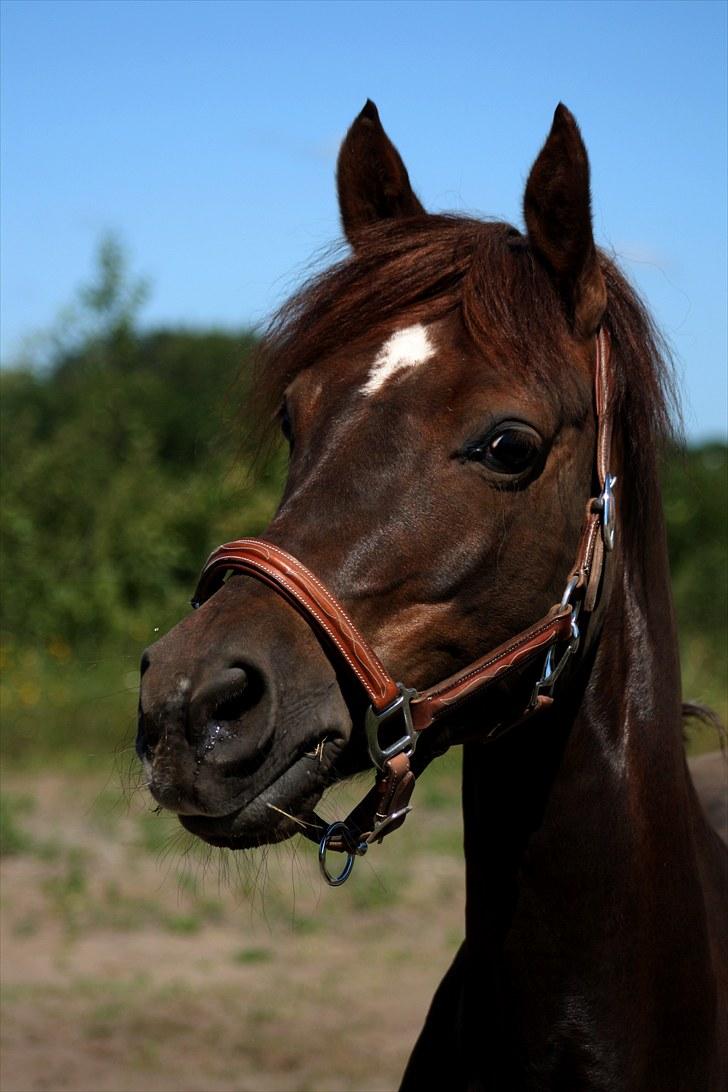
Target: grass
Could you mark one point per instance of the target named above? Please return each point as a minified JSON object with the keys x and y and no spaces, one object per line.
{"x":71,"y":888}
{"x":156,"y":830}
{"x":253,"y":955}
{"x":62,"y":708}
{"x":267,"y":952}
{"x":14,"y":838}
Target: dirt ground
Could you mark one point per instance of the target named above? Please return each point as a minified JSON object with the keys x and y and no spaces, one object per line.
{"x":136,"y":960}
{"x":132,"y":961}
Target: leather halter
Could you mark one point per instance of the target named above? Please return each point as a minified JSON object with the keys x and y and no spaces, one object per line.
{"x":386,"y":805}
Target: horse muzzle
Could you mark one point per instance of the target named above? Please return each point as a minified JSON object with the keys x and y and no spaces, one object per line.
{"x":235,"y":735}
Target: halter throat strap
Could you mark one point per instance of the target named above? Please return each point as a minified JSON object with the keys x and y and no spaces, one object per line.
{"x":554,"y":637}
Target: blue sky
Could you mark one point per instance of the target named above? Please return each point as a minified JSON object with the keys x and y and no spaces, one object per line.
{"x":205,"y":136}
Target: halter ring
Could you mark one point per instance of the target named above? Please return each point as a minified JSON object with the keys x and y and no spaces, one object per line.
{"x":356,"y":850}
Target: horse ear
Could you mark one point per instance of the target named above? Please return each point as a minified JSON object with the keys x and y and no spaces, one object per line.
{"x":371,"y":178}
{"x":557,"y":209}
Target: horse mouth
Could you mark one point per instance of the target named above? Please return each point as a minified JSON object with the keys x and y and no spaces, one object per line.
{"x":277,"y":812}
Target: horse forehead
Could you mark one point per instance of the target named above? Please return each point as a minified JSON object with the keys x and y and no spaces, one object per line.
{"x":407,"y":348}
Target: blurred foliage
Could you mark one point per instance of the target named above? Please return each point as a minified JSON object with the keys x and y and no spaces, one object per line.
{"x":695,"y":496}
{"x":122,"y":469}
{"x":125,"y":463}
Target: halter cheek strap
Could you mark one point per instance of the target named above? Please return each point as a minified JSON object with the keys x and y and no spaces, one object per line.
{"x":554,"y":637}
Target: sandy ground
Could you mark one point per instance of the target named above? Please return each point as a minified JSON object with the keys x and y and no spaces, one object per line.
{"x":134,"y":960}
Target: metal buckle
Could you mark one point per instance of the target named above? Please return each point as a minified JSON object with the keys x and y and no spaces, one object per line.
{"x":407,"y":743}
{"x":608,"y":508}
{"x":552,"y":668}
{"x":355,"y":849}
{"x":381,"y":826}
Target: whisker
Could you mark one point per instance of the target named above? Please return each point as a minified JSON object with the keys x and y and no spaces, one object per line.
{"x":301,"y":822}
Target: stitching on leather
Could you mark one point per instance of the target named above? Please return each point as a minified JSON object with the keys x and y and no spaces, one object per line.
{"x":336,"y":609}
{"x":233,"y":561}
{"x":462,"y":697}
{"x":531,"y":635}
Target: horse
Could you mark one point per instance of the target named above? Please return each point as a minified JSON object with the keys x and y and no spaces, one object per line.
{"x":474,"y":416}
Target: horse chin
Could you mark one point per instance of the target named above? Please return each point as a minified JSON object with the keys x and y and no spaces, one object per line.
{"x":278,"y":812}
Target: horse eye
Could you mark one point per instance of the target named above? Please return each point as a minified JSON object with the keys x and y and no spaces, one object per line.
{"x":512,"y":450}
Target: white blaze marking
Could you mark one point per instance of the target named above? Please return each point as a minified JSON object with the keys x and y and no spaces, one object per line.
{"x":404,"y":349}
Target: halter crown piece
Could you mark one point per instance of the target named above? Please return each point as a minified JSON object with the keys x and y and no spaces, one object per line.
{"x":555,"y":637}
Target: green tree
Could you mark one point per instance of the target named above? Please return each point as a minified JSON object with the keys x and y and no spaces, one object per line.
{"x":123,"y":468}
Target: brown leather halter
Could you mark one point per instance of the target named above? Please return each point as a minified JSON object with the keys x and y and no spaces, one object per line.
{"x":555,"y":636}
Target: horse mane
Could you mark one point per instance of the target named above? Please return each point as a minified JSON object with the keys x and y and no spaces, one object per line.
{"x":425,"y":268}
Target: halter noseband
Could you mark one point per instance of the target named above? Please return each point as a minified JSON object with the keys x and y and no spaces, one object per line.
{"x":555,"y":636}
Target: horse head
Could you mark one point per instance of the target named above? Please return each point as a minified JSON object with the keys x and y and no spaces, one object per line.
{"x":436,"y":389}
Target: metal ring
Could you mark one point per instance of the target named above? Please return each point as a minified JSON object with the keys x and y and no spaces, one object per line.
{"x":343,"y":876}
{"x":552,"y":668}
{"x":569,"y":590}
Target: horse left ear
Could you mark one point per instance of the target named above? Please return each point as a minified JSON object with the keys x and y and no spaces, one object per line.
{"x":557,"y":210}
{"x":371,"y":178}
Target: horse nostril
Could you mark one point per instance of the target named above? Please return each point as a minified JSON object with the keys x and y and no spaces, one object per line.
{"x":226,"y":698}
{"x":218,"y":724}
{"x":232,"y":702}
{"x":145,"y":662}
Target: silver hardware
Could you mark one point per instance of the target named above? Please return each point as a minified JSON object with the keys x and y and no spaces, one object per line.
{"x":569,"y":590}
{"x":356,"y":849}
{"x":552,"y":667}
{"x":382,"y":826}
{"x":407,"y":743}
{"x":607,"y":507}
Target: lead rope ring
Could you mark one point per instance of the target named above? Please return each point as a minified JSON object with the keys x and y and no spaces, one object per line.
{"x":356,"y":849}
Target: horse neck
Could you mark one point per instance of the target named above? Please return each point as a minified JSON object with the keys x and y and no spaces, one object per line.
{"x":600,"y":773}
{"x":586,"y":919}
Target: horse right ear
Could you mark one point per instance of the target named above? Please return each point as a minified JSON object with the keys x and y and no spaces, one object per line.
{"x":371,"y":178}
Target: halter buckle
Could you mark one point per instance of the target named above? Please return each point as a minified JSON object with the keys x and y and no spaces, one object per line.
{"x":552,"y":667}
{"x":382,"y":825}
{"x":406,"y":743}
{"x":607,"y":506}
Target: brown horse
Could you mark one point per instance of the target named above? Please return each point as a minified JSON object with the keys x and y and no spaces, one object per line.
{"x":437,"y":389}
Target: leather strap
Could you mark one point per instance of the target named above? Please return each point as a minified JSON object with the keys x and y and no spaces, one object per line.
{"x":298,"y":585}
{"x":532,"y":642}
{"x":587,"y":571}
{"x":286,"y":575}
{"x":386,"y":805}
{"x":384,"y":808}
